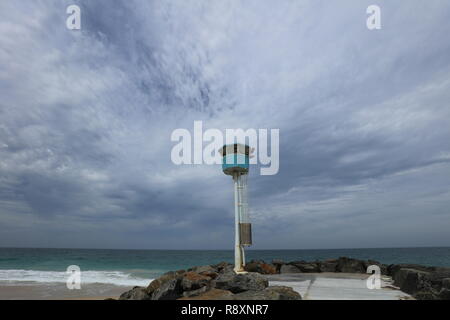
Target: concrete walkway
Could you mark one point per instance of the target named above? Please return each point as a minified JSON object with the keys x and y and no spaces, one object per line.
{"x":337,"y":286}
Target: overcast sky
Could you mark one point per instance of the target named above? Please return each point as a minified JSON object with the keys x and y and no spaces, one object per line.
{"x":86,"y":118}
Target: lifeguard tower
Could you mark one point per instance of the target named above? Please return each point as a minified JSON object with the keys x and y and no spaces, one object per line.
{"x":235,"y":162}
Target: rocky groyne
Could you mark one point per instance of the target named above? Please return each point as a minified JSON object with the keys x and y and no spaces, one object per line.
{"x":219,"y":282}
{"x":212,"y":282}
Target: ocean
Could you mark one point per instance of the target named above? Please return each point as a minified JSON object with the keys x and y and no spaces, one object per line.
{"x":138,"y":267}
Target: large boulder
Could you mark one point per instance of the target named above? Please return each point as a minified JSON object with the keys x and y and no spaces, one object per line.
{"x":394,"y":268}
{"x":168,"y":286}
{"x":174,"y":285}
{"x":411,"y":281}
{"x":349,"y":265}
{"x":424,"y":283}
{"x":212,"y":275}
{"x":444,"y":294}
{"x":193,"y":281}
{"x":137,"y":293}
{"x":446,"y":283}
{"x":270,"y":293}
{"x":210,"y":271}
{"x":212,"y":294}
{"x":343,"y":264}
{"x":277,"y":263}
{"x":328,"y":265}
{"x":424,"y":295}
{"x":438,"y":275}
{"x":169,"y":290}
{"x":306,"y":267}
{"x":156,"y":283}
{"x":203,"y":269}
{"x":197,"y":292}
{"x":260,"y":267}
{"x":240,"y":282}
{"x":283,"y":293}
{"x":223,"y":267}
{"x":288,"y":268}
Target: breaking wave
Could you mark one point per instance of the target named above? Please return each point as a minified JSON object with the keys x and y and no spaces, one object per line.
{"x":118,"y":278}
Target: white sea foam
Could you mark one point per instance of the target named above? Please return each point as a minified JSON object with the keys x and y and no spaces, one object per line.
{"x":118,"y":278}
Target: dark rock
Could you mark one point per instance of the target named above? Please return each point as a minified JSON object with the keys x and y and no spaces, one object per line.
{"x":260,"y":267}
{"x":202,"y":269}
{"x":329,"y":265}
{"x":169,"y":290}
{"x":446,"y":283}
{"x":223,"y":267}
{"x":167,"y":287}
{"x":268,"y":269}
{"x":137,"y":293}
{"x":284,"y":293}
{"x":394,"y":268}
{"x":254,"y":266}
{"x":156,"y":284}
{"x":253,"y":295}
{"x":213,"y":294}
{"x":349,"y":265}
{"x":437,"y":275}
{"x":277,"y":262}
{"x":240,"y":282}
{"x":424,"y":295}
{"x":197,"y":292}
{"x":288,"y":268}
{"x":193,"y":281}
{"x":270,"y":293}
{"x":212,"y":275}
{"x":306,"y":267}
{"x":443,"y":272}
{"x":424,"y":283}
{"x":411,"y":281}
{"x":444,"y":294}
{"x":400,"y":277}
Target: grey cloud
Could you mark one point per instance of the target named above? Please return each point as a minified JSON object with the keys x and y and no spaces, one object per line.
{"x":86,"y":118}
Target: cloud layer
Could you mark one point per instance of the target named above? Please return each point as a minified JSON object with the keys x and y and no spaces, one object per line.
{"x":86,"y":118}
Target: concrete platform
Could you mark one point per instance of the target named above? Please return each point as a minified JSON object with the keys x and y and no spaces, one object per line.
{"x":337,"y":286}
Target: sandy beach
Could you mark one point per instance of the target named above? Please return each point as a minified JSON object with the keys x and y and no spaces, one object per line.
{"x":58,"y":291}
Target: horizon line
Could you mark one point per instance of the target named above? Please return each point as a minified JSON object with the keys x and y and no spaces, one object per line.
{"x":280,"y":249}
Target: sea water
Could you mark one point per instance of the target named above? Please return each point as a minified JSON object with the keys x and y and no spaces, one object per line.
{"x":138,"y":267}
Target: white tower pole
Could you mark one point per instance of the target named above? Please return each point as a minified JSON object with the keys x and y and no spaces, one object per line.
{"x":238,"y":261}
